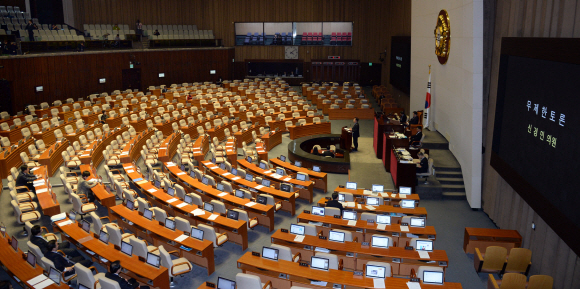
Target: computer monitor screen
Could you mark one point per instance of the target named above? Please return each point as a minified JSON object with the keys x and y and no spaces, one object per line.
{"x":161,"y":74}
{"x":188,"y":199}
{"x":378,"y":188}
{"x":249,"y":159}
{"x":31,"y":259}
{"x":341,"y":198}
{"x":380,"y":242}
{"x":376,"y":271}
{"x":319,"y":263}
{"x":349,"y":215}
{"x":182,"y":167}
{"x":433,"y":277}
{"x":72,"y":215}
{"x":86,"y":226}
{"x":223,"y":166}
{"x":81,"y":286}
{"x":282,"y":158}
{"x":157,"y":184}
{"x":130,"y":205}
{"x":240,"y":194}
{"x":220,"y":187}
{"x":153,"y":260}
{"x":104,"y":237}
{"x":409,"y":204}
{"x":54,"y":275}
{"x":316,"y":168}
{"x":14,"y":243}
{"x":301,"y":177}
{"x":208,"y":207}
{"x":205,"y":181}
{"x":318,"y":211}
{"x":262,"y":165}
{"x":147,"y":213}
{"x":297,"y":229}
{"x":197,"y":234}
{"x":270,"y":253}
{"x":280,"y":171}
{"x":417,"y":222}
{"x":171,"y":191}
{"x":405,"y":190}
{"x":233,"y":215}
{"x":262,"y":200}
{"x":127,"y":248}
{"x":192,"y":174}
{"x":285,"y":188}
{"x":213,"y":160}
{"x":336,"y":236}
{"x":351,"y":185}
{"x":298,"y":163}
{"x":372,"y":201}
{"x":424,"y":245}
{"x":234,"y":171}
{"x":249,"y":178}
{"x":169,"y":224}
{"x":224,"y":283}
{"x":384,"y":219}
{"x":265,"y":183}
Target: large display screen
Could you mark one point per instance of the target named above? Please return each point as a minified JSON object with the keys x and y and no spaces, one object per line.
{"x":400,"y":74}
{"x":536,"y":130}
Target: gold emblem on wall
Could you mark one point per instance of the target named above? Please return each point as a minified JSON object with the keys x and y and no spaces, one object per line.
{"x":442,"y":37}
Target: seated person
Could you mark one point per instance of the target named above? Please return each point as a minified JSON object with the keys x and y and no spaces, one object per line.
{"x":54,"y":27}
{"x":335,"y":203}
{"x":322,"y":153}
{"x":417,"y":137}
{"x":116,"y":27}
{"x":423,"y":165}
{"x":403,"y":117}
{"x":25,"y":179}
{"x":156,"y":32}
{"x":38,"y":240}
{"x":61,"y":263}
{"x":113,"y":274}
{"x":414,"y":119}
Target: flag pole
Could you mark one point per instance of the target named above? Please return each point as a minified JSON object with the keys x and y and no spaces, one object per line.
{"x":427,"y":102}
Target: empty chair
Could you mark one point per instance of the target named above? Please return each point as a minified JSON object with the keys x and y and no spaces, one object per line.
{"x":176,"y":267}
{"x":210,"y":235}
{"x":271,"y":202}
{"x":494,"y":260}
{"x":248,"y":281}
{"x":519,"y":261}
{"x":243,"y":216}
{"x":81,"y":208}
{"x":510,"y":281}
{"x":333,"y":261}
{"x":540,"y":282}
{"x":284,"y":253}
{"x":140,"y":247}
{"x":85,"y":276}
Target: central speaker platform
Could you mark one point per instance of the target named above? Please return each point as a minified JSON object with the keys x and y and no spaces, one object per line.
{"x":299,"y":150}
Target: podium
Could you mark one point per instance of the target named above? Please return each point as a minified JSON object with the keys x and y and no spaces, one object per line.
{"x":346,"y":139}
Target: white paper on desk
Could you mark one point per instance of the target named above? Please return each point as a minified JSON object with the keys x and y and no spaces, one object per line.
{"x":381,"y":226}
{"x":129,"y":171}
{"x":37,"y":182}
{"x":352,"y":223}
{"x":385,"y":195}
{"x":394,"y":195}
{"x":424,"y":255}
{"x":222,"y":194}
{"x":249,"y":204}
{"x":37,"y":279}
{"x":414,"y":285}
{"x":213,"y":217}
{"x":123,"y":153}
{"x":87,"y":155}
{"x":214,"y":167}
{"x":319,"y":283}
{"x":226,"y":174}
{"x":287,"y":179}
{"x":235,"y":178}
{"x":181,"y":238}
{"x":64,"y":223}
{"x":367,"y":192}
{"x":258,"y":187}
{"x":181,"y":205}
{"x":171,"y":200}
{"x":43,"y":284}
{"x":379,"y":283}
{"x":359,"y":206}
{"x":152,"y":190}
{"x":350,"y":204}
{"x":170,"y":164}
{"x":42,"y":191}
{"x":162,"y":148}
{"x":404,"y":228}
{"x":182,"y":173}
{"x":371,"y":207}
{"x":34,"y":169}
{"x":198,"y":212}
{"x":261,"y":151}
{"x":299,"y":238}
{"x":402,"y":196}
{"x":277,"y":176}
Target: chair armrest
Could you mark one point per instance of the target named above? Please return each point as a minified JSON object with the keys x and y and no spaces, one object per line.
{"x":298,"y":255}
{"x":22,"y":187}
{"x":319,"y":233}
{"x":173,"y":252}
{"x":131,"y":235}
{"x":491,"y":283}
{"x":179,"y":264}
{"x":70,"y":277}
{"x":27,"y":195}
{"x":413,"y":274}
{"x":62,"y":253}
{"x":355,"y":239}
{"x":88,"y":204}
{"x":267,"y":285}
{"x":340,"y":264}
{"x":28,"y":206}
{"x":477,"y":260}
{"x":50,"y":235}
{"x":105,"y":217}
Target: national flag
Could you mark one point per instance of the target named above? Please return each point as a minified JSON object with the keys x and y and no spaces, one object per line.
{"x":427,"y":102}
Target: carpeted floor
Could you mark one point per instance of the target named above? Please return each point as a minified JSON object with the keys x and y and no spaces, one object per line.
{"x":449,"y":217}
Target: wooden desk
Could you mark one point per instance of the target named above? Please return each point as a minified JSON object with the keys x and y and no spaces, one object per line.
{"x":94,"y":152}
{"x":76,"y":135}
{"x":350,"y":113}
{"x":362,"y":254}
{"x":18,"y":268}
{"x":288,"y":199}
{"x":389,"y":198}
{"x":237,"y":230}
{"x":264,"y":213}
{"x":389,"y":142}
{"x":482,"y":238}
{"x":105,"y":198}
{"x":53,"y":160}
{"x":135,"y":268}
{"x":404,"y":174}
{"x":382,"y":209}
{"x":15,"y":134}
{"x":13,"y":159}
{"x":246,"y":135}
{"x":381,"y":125}
{"x":281,"y":124}
{"x":168,"y":147}
{"x":272,"y":139}
{"x":91,"y":118}
{"x":319,"y":178}
{"x":201,"y":255}
{"x":307,"y":186}
{"x":131,"y":151}
{"x":141,"y":124}
{"x":46,"y":200}
{"x":302,"y":276}
{"x":309,"y":129}
{"x":200,"y":148}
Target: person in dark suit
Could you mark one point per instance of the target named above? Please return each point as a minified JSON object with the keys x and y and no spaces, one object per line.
{"x":403,"y":117}
{"x":25,"y":179}
{"x":104,"y":117}
{"x":30,"y":27}
{"x":417,"y":137}
{"x":113,"y":274}
{"x":38,"y":240}
{"x":414,"y":119}
{"x":423,"y":165}
{"x":334,"y":203}
{"x":61,"y":263}
{"x":323,"y":153}
{"x":355,"y":134}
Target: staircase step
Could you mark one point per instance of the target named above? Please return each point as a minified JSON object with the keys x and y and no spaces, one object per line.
{"x":447,"y":169}
{"x":454,"y":196}
{"x":440,"y":174}
{"x":450,"y":181}
{"x":453,"y":188}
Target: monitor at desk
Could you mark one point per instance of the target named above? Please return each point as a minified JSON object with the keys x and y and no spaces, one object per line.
{"x":130,"y":205}
{"x":14,"y":243}
{"x":148,"y":214}
{"x":192,"y":174}
{"x":54,"y":275}
{"x":240,"y":194}
{"x":157,"y":184}
{"x":170,"y":224}
{"x":433,"y":277}
{"x":234,"y":171}
{"x":262,"y":165}
{"x":233,"y":215}
{"x":384,"y":219}
{"x":378,"y":188}
{"x":341,"y":198}
{"x":319,"y":263}
{"x":372,"y":201}
{"x":153,"y":260}
{"x":298,"y":163}
{"x":351,"y":185}
{"x":270,"y":253}
{"x":213,"y":160}
{"x":262,"y":200}
{"x":405,"y":190}
{"x":126,"y":248}
{"x":249,"y":178}
{"x":31,"y":259}
{"x":282,"y":158}
{"x":249,"y":159}
{"x":197,"y":234}
{"x":265,"y":183}
{"x":336,"y":236}
{"x":188,"y":199}
{"x":301,"y":176}
{"x":81,"y":286}
{"x":374,"y":271}
{"x":223,"y":166}
{"x":316,"y":169}
{"x":280,"y":171}
{"x":208,"y":207}
{"x":86,"y":226}
{"x":297,"y":229}
{"x":182,"y":167}
{"x":104,"y":237}
{"x":205,"y":181}
{"x":224,"y":283}
{"x":407,"y":204}
{"x":285,"y":187}
{"x":349,"y":215}
{"x":380,"y":242}
{"x":424,"y":245}
{"x":417,"y":222}
{"x":318,"y":211}
{"x":171,"y":191}
{"x":220,"y":187}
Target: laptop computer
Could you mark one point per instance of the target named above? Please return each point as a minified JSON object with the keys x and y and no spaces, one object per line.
{"x":298,"y":163}
{"x":380,"y":242}
{"x":433,"y":277}
{"x":319,"y":263}
{"x":373,"y":271}
{"x":280,"y":171}
{"x":127,"y":248}
{"x":153,"y":260}
{"x":31,"y":259}
{"x":316,"y":169}
{"x":170,"y":224}
{"x":417,"y":222}
{"x":262,"y":200}
{"x":282,"y":158}
{"x":86,"y":226}
{"x":240,"y":194}
{"x":233,"y":215}
{"x":349,"y":215}
{"x":297,"y":229}
{"x":285,"y":187}
{"x":14,"y":243}
{"x":378,"y":188}
{"x":405,"y":190}
{"x":224,"y":283}
{"x":54,"y":275}
{"x":270,"y":253}
{"x":171,"y":191}
{"x":372,"y":201}
{"x":208,"y":207}
{"x":265,"y":183}
{"x":384,"y":219}
{"x":318,"y":211}
{"x":104,"y":237}
{"x":336,"y":236}
{"x":148,"y":213}
{"x":351,"y":185}
{"x":408,"y":204}
{"x":424,"y":245}
{"x":301,"y":177}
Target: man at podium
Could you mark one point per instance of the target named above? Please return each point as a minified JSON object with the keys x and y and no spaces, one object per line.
{"x":355,"y":134}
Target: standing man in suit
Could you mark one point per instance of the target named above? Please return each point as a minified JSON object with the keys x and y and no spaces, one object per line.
{"x":30,"y":27}
{"x":417,"y":137}
{"x":61,"y":263}
{"x":113,"y":274}
{"x":334,"y":203}
{"x":355,"y":134}
{"x":25,"y":179}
